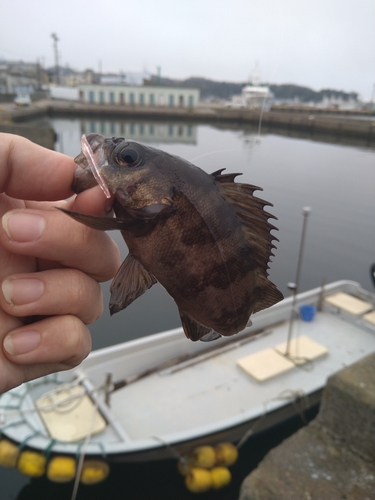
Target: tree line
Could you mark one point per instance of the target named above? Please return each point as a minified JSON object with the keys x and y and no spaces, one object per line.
{"x":211,"y":89}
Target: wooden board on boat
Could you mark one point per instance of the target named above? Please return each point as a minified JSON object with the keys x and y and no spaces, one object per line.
{"x":265,"y":364}
{"x":370,"y":317}
{"x":302,"y":349}
{"x":271,"y":362}
{"x":348,"y":303}
{"x":70,"y":415}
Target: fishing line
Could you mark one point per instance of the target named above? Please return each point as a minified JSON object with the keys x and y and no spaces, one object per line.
{"x":216,"y":152}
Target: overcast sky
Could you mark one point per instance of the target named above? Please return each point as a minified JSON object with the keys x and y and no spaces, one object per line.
{"x":316,"y":43}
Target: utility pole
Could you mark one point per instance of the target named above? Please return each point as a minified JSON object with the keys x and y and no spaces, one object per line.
{"x":57,"y":74}
{"x":158,"y":78}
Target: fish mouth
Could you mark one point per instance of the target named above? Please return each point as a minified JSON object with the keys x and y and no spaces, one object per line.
{"x":84,"y":177}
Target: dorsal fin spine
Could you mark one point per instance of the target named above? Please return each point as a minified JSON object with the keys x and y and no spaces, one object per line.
{"x":254,"y":219}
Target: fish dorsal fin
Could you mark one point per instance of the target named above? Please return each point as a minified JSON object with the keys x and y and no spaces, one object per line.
{"x":257,"y":231}
{"x":131,"y":281}
{"x":224,"y":177}
{"x":254,"y":221}
{"x":194,"y":330}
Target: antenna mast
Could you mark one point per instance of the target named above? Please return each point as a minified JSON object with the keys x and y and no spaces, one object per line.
{"x":57,"y":74}
{"x":294,"y":286}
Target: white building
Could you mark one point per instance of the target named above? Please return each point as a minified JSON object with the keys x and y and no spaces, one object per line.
{"x":66,"y":93}
{"x":139,"y":95}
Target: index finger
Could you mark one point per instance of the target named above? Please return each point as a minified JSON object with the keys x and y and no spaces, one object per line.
{"x":31,"y":172}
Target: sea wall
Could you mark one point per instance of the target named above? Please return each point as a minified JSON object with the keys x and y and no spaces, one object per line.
{"x":310,"y":121}
{"x":333,"y":458}
{"x":312,"y":124}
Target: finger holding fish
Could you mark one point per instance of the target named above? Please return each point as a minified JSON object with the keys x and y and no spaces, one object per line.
{"x":56,"y":240}
{"x":32,"y":172}
{"x":52,"y":344}
{"x":91,"y":201}
{"x":37,"y":244}
{"x":52,"y":292}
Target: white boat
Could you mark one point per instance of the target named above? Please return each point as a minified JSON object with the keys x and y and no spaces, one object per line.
{"x":161,"y":395}
{"x":252,"y":97}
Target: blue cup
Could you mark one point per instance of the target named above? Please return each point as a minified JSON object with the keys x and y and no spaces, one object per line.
{"x":307,"y":312}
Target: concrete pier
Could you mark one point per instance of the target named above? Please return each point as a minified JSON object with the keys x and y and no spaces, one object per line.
{"x":14,"y":121}
{"x":333,"y":458}
{"x":308,"y":121}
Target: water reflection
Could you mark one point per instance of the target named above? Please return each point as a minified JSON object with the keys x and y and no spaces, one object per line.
{"x":69,"y":132}
{"x":142,"y":131}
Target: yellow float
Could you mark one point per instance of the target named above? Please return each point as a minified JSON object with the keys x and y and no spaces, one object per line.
{"x":220,"y":477}
{"x":9,"y":453}
{"x":31,"y":463}
{"x":198,"y":480}
{"x":226,"y":454}
{"x":203,"y":456}
{"x":94,"y":471}
{"x":61,"y":469}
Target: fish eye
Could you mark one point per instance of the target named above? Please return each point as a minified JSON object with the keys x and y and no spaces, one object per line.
{"x":129,"y":155}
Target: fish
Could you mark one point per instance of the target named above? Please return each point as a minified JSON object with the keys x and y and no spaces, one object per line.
{"x":204,"y":237}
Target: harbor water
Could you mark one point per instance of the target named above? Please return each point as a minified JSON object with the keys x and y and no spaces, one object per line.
{"x":336,"y":180}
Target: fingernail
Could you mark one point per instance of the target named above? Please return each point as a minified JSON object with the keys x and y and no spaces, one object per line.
{"x":21,"y":342}
{"x":22,"y":291}
{"x":22,"y":227}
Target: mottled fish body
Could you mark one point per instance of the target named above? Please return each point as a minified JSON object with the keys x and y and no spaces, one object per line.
{"x":205,"y":238}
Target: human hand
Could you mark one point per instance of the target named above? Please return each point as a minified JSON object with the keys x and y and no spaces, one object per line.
{"x":50,"y":265}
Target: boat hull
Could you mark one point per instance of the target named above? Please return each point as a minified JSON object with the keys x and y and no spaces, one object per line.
{"x":167,"y":395}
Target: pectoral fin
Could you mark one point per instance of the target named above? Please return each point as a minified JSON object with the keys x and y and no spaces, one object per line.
{"x":196,"y":331}
{"x":129,"y":219}
{"x":131,"y":281}
{"x":209,"y":337}
{"x":101,"y":223}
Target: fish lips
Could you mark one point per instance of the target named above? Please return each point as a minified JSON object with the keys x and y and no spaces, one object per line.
{"x":83,"y":176}
{"x":83,"y":179}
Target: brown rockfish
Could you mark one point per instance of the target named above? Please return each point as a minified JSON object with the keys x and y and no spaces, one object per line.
{"x":205,"y":238}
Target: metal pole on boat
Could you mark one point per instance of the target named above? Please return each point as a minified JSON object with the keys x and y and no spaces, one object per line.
{"x":295,"y":286}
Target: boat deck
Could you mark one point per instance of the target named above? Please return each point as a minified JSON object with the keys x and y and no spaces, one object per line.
{"x":219,"y":392}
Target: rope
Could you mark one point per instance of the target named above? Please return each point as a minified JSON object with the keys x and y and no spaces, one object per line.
{"x":55,"y":405}
{"x":287,"y":395}
{"x":82,"y":451}
{"x":27,"y":438}
{"x":170,"y":447}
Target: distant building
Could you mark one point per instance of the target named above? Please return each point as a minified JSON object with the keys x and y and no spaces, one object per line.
{"x":65,"y":93}
{"x":338,"y":102}
{"x":139,"y":95}
{"x":128,"y":78}
{"x":17,"y":76}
